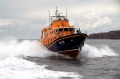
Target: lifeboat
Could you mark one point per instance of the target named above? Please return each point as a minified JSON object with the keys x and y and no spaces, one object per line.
{"x":62,"y":38}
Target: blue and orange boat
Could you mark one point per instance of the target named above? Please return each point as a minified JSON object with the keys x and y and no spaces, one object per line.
{"x":60,"y":37}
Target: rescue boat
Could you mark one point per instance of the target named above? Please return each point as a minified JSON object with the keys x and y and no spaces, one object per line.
{"x":62,"y":38}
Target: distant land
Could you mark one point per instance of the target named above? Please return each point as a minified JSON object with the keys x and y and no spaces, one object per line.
{"x":105,"y":35}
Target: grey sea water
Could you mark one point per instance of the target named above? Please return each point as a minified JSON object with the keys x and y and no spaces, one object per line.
{"x":27,"y":59}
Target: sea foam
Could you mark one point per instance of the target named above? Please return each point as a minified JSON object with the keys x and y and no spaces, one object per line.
{"x":24,"y":48}
{"x":18,"y":68}
{"x":92,"y":51}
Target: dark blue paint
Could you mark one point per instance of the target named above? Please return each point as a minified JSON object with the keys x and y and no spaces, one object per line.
{"x":70,"y":42}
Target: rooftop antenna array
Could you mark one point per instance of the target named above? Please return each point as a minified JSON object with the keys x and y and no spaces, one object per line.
{"x":56,"y":15}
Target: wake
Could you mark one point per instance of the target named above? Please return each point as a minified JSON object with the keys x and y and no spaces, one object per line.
{"x":18,"y":68}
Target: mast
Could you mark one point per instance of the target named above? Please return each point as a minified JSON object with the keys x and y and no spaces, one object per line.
{"x":49,"y":17}
{"x":66,"y":13}
{"x":56,"y":12}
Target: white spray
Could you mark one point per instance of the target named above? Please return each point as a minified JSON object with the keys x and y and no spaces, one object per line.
{"x":92,"y":51}
{"x":25,"y":48}
{"x":35,"y":49}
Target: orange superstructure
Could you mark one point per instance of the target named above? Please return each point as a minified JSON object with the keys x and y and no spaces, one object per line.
{"x":59,"y":32}
{"x":57,"y":29}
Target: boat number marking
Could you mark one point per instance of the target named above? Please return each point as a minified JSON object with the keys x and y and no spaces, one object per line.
{"x":62,"y":42}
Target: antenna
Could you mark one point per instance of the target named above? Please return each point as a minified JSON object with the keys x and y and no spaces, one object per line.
{"x":49,"y":17}
{"x":56,"y":12}
{"x":66,"y":13}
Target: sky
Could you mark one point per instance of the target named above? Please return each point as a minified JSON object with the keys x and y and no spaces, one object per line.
{"x":24,"y":19}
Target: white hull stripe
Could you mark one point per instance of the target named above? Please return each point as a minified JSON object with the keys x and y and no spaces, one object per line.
{"x":68,"y":50}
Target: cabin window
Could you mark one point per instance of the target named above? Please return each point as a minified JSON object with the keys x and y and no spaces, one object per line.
{"x":56,"y":30}
{"x":51,"y":32}
{"x":65,"y":29}
{"x":60,"y":29}
{"x":71,"y":29}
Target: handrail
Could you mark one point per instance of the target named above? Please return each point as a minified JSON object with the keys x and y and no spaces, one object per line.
{"x":65,"y":33}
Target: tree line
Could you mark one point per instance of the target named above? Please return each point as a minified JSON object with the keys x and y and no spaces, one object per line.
{"x":105,"y":35}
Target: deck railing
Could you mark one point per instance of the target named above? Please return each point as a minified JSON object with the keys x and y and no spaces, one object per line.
{"x":74,"y":31}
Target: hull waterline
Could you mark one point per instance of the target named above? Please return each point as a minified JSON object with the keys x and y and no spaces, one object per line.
{"x":70,"y":53}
